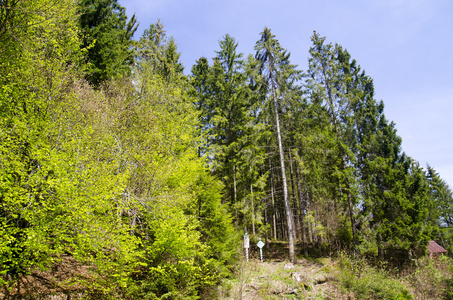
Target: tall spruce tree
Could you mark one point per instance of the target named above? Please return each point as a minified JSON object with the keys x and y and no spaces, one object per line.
{"x":328,"y":86}
{"x":154,"y":50}
{"x":106,"y":35}
{"x":379,"y":186}
{"x":441,"y":207}
{"x":224,"y":100}
{"x":280,"y":77}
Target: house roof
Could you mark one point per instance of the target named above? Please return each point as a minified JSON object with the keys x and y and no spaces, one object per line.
{"x":434,"y":247}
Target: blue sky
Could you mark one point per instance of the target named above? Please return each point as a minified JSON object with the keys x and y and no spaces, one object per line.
{"x":406,"y":46}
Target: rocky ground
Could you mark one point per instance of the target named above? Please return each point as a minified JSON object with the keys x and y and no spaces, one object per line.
{"x":275,"y":279}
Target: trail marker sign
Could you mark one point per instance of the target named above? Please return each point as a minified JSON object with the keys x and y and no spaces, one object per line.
{"x":246,"y":241}
{"x":246,"y":245}
{"x":260,"y":244}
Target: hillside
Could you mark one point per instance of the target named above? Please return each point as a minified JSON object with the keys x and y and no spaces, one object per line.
{"x":282,"y":280}
{"x":123,"y":177}
{"x":338,"y":277}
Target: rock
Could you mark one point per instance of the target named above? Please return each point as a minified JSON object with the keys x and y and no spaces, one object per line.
{"x":319,"y":278}
{"x":297,"y":276}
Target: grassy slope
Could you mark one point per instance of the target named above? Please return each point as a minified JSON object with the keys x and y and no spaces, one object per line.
{"x":341,"y":277}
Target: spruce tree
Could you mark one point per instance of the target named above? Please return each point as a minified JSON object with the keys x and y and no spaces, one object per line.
{"x":441,"y":207}
{"x":106,"y":35}
{"x":327,"y":83}
{"x":279,"y":76}
{"x":154,"y":50}
{"x":221,"y":99}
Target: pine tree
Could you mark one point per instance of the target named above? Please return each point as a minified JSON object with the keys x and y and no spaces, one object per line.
{"x":328,"y":85}
{"x":441,"y":207}
{"x":154,"y":50}
{"x":107,"y":37}
{"x":279,"y":77}
{"x":220,"y":91}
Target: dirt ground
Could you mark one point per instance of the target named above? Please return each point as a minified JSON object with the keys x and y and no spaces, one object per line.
{"x":276,"y":279}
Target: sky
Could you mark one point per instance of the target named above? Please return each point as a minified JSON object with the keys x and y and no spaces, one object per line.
{"x":406,"y":46}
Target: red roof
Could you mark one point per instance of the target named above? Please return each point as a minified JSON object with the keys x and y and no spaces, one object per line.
{"x":434,"y":247}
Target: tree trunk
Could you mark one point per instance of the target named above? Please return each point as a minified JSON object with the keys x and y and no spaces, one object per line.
{"x":380,"y":248}
{"x":302,"y":211}
{"x":295,"y":198}
{"x":350,"y":208}
{"x":253,"y":209}
{"x":274,"y":219}
{"x":235,"y":195}
{"x":289,"y":215}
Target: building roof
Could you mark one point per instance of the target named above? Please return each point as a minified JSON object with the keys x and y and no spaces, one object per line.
{"x":434,"y":247}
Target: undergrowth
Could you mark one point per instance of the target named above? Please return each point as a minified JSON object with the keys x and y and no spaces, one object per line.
{"x":343,"y":277}
{"x":431,"y":278}
{"x":368,"y":282}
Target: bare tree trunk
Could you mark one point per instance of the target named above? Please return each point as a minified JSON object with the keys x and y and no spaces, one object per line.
{"x":299,"y":225}
{"x":310,"y":227}
{"x":302,"y":211}
{"x":350,"y":208}
{"x":310,"y":232}
{"x":289,"y":215}
{"x":253,"y":210}
{"x":295,"y":198}
{"x":380,"y":248}
{"x":235,"y":195}
{"x":274,"y":219}
{"x":304,"y":236}
{"x":265,"y":223}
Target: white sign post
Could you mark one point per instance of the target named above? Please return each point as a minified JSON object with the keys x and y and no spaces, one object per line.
{"x":246,"y":245}
{"x":261,"y":245}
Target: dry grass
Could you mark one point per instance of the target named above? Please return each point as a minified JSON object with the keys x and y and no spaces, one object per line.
{"x":63,"y":279}
{"x":430,"y":278}
{"x":307,"y":279}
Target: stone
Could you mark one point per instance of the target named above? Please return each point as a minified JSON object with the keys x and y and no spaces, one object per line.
{"x":297,"y":276}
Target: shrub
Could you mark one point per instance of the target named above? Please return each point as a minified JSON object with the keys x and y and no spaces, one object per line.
{"x":369,"y":282}
{"x":432,"y":278}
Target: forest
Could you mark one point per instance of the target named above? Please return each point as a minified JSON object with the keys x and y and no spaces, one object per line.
{"x":125,"y":175}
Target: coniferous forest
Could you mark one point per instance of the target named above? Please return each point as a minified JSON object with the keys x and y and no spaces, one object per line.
{"x":136,"y":177}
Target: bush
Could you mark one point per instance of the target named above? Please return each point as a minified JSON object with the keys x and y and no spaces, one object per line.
{"x":432,"y":278}
{"x":368,"y":282}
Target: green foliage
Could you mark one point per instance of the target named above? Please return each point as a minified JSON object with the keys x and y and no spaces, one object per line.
{"x":33,"y":76}
{"x":230,"y":139}
{"x":336,"y":87}
{"x":431,"y":278}
{"x":106,"y":35}
{"x":369,"y":282}
{"x":215,"y":225}
{"x":155,"y":51}
{"x":440,"y":207}
{"x":381,"y":189}
{"x":109,"y":177}
{"x":138,"y":179}
{"x":92,"y":183}
{"x":186,"y":233}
